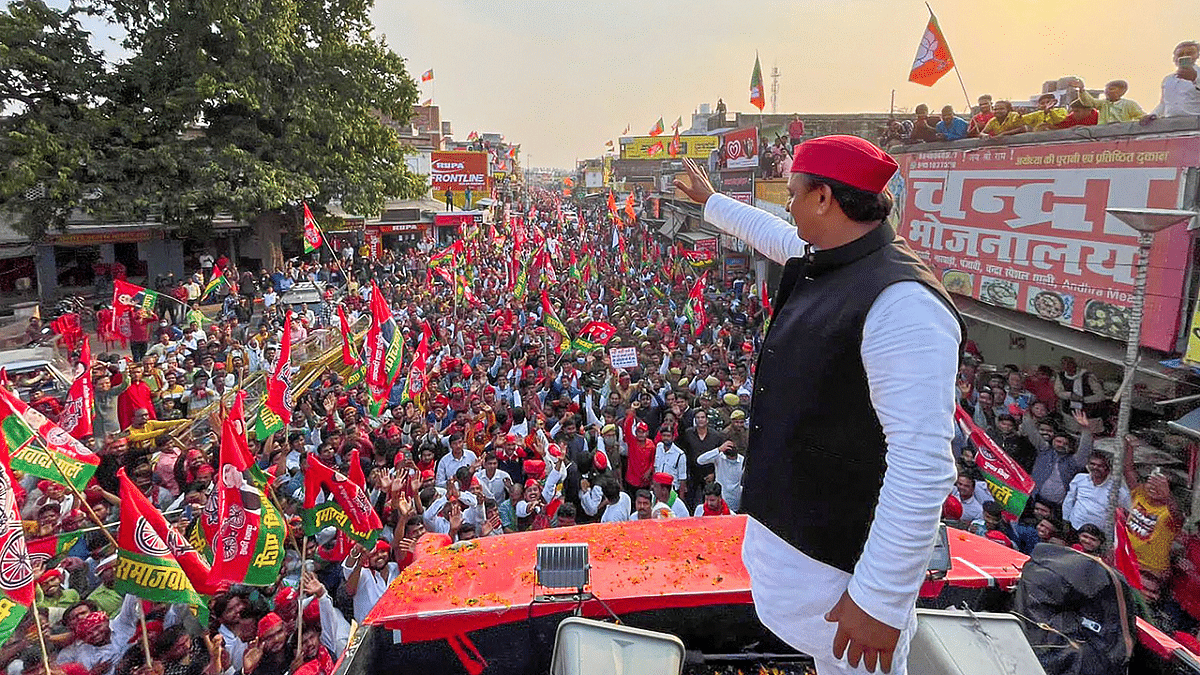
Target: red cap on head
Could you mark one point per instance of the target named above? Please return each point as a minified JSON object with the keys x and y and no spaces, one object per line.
{"x":312,"y":612}
{"x":286,"y":596}
{"x":268,"y":622}
{"x":664,"y":478}
{"x":382,"y":546}
{"x":534,"y":468}
{"x":846,"y":159}
{"x":530,"y":483}
{"x":428,"y":474}
{"x":600,"y":461}
{"x":554,"y":450}
{"x":952,"y":508}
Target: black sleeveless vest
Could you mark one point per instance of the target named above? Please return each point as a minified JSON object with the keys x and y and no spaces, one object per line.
{"x":815,"y":463}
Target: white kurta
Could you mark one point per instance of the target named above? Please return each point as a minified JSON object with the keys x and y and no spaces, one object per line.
{"x":910,"y":354}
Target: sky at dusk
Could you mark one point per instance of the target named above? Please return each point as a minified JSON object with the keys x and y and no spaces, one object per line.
{"x":561,"y":78}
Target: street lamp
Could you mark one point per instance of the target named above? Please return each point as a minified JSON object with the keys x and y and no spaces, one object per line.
{"x":1147,"y":222}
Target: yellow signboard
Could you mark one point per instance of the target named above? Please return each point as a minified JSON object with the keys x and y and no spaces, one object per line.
{"x":659,"y":147}
{"x":1192,"y":356}
{"x":773,"y":190}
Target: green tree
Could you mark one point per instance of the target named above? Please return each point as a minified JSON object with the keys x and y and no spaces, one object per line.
{"x":50,"y":121}
{"x":246,"y":107}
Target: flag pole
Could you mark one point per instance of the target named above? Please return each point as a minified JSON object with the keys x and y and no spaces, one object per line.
{"x":37,"y":621}
{"x":957,"y":74}
{"x":300,"y":593}
{"x":87,"y":507}
{"x":145,"y":632}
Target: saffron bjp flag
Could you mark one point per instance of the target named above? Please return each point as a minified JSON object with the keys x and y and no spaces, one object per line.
{"x":40,"y":447}
{"x":279,"y":383}
{"x":658,"y":127}
{"x":427,"y":75}
{"x":312,"y":233}
{"x":146,"y":565}
{"x":360,"y":520}
{"x":757,"y":97}
{"x":1008,"y":483}
{"x":655,"y":150}
{"x":612,"y":204}
{"x":677,"y":123}
{"x":248,"y":543}
{"x":76,"y":415}
{"x":674,"y":146}
{"x":933,"y":56}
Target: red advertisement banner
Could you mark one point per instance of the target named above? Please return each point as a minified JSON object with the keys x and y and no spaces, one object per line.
{"x":741,"y":148}
{"x":458,"y":171}
{"x":1026,"y":228}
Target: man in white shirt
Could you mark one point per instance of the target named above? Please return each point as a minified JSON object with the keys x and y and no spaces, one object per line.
{"x":664,"y":493}
{"x":368,"y":574}
{"x":729,"y":464}
{"x":1181,"y":89}
{"x":493,"y":479}
{"x":458,"y":457}
{"x":669,"y":458}
{"x":871,"y":337}
{"x":1088,"y":495}
{"x":606,"y":492}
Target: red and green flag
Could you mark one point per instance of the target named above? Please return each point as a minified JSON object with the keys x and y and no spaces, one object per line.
{"x":445,"y":256}
{"x":349,"y":353}
{"x":279,"y":383}
{"x":248,"y":542}
{"x":349,"y":508}
{"x":757,"y":97}
{"x":312,"y":233}
{"x":47,"y":550}
{"x":694,"y":310}
{"x":220,"y":281}
{"x":16,"y":568}
{"x":414,"y":385}
{"x":573,"y":272}
{"x":128,"y":297}
{"x":1008,"y":483}
{"x":146,"y":565}
{"x":521,"y":288}
{"x":77,"y":413}
{"x":550,"y":318}
{"x":384,"y":347}
{"x":39,"y":447}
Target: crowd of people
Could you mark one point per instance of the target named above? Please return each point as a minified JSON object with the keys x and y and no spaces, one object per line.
{"x":519,"y":428}
{"x":1071,"y":107}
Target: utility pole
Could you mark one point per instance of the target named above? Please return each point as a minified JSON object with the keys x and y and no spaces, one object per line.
{"x":775,"y":89}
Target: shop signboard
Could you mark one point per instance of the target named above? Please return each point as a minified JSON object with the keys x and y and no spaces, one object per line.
{"x":741,"y":148}
{"x":657,"y":147}
{"x":458,"y":219}
{"x":1026,"y":228}
{"x":739,"y":185}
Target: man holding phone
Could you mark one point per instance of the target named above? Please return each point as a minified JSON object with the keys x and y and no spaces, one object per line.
{"x":1180,"y":89}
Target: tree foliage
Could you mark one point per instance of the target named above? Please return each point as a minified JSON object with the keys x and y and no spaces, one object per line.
{"x":239,"y":107}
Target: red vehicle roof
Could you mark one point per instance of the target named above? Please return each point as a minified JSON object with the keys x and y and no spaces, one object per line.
{"x":636,"y":566}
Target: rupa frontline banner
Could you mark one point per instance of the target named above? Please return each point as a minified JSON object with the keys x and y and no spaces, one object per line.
{"x":459,"y":171}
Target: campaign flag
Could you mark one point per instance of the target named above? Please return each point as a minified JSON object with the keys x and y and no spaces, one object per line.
{"x":624,"y":254}
{"x":694,"y":310}
{"x":627,"y":128}
{"x":76,"y":416}
{"x":1124,"y":557}
{"x":656,"y":149}
{"x":598,"y":332}
{"x":676,"y":124}
{"x":658,"y":127}
{"x":146,"y":566}
{"x":384,"y":347}
{"x":697,"y":259}
{"x":473,"y":136}
{"x":248,"y":539}
{"x":349,"y":353}
{"x":675,"y":146}
{"x":312,"y":233}
{"x":757,"y":97}
{"x":442,"y":257}
{"x":427,"y":75}
{"x":522,"y":286}
{"x":219,"y":282}
{"x":629,"y":207}
{"x":279,"y":398}
{"x":360,"y":520}
{"x":766,"y":305}
{"x":16,"y":568}
{"x":612,"y":204}
{"x":1008,"y":483}
{"x":550,"y":319}
{"x":414,"y":385}
{"x":573,"y":271}
{"x":47,"y":550}
{"x":128,"y":297}
{"x":40,"y":447}
{"x":266,"y":422}
{"x":933,"y":56}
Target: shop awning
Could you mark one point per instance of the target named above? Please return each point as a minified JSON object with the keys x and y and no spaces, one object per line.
{"x":9,"y":252}
{"x":1189,"y":424}
{"x":1061,"y":336}
{"x":694,"y":237}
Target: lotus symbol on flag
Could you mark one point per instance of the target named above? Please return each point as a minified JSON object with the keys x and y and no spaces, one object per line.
{"x":148,"y":541}
{"x":927,"y":51}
